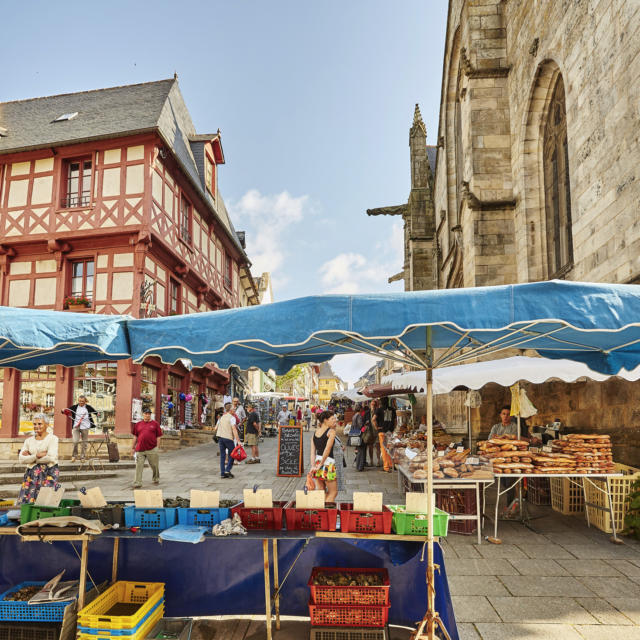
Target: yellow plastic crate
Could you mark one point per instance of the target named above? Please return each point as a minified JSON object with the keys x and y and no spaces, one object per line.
{"x":620,"y":489}
{"x":6,"y":503}
{"x":94,"y":615}
{"x":566,"y":497}
{"x":140,"y":634}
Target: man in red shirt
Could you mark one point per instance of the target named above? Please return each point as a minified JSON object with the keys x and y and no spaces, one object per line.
{"x":145,"y":443}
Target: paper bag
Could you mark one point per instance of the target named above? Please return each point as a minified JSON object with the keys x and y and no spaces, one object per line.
{"x":204,"y":499}
{"x":310,"y":500}
{"x":260,"y":499}
{"x":367,"y":501}
{"x":148,"y":498}
{"x":93,"y":498}
{"x":49,"y":497}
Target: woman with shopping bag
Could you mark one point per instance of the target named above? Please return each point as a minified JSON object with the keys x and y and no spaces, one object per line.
{"x":228,"y":439}
{"x":323,"y":463}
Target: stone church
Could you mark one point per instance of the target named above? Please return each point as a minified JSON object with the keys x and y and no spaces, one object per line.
{"x":537,"y":172}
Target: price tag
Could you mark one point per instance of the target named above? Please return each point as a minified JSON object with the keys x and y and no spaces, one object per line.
{"x":534,"y":449}
{"x":547,"y":449}
{"x":459,"y":449}
{"x":440,"y":454}
{"x":410,"y":453}
{"x":472,"y":461}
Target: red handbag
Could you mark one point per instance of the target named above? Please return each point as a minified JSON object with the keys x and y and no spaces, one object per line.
{"x":238,"y":453}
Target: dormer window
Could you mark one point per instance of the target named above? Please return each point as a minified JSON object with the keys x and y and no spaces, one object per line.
{"x":76,"y":183}
{"x":3,"y":132}
{"x":66,"y":116}
{"x":210,"y":175}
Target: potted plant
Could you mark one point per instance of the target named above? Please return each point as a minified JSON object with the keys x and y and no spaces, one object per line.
{"x":77,"y":303}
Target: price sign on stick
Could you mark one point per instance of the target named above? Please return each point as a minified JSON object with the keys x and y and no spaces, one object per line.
{"x":367,"y":501}
{"x":259,"y":499}
{"x":310,"y":499}
{"x":204,"y":499}
{"x":92,"y":498}
{"x":148,"y":498}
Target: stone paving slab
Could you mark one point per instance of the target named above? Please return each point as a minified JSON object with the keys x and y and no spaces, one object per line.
{"x":538,"y":567}
{"x":540,"y":610}
{"x":612,"y":587}
{"x":481,"y":585}
{"x":601,"y":551}
{"x":542,"y":551}
{"x":473,"y":609}
{"x":588,"y":568}
{"x":467,"y":631}
{"x":600,"y":632}
{"x":490,"y":631}
{"x":479,"y":567}
{"x":625,"y":567}
{"x":604,"y":612}
{"x":545,"y":586}
{"x":628,"y":606}
{"x":507,"y":551}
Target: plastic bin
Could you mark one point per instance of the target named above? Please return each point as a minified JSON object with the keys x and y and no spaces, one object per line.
{"x":4,"y":518}
{"x":19,"y":610}
{"x":267,"y":519}
{"x":325,"y":594}
{"x":566,"y":498}
{"x":141,"y":634}
{"x":311,"y":519}
{"x":347,"y":633}
{"x":364,"y":522}
{"x":178,"y":628}
{"x":111,"y":514}
{"x":334,"y":615}
{"x":416,"y":524}
{"x":203,"y":517}
{"x":22,"y":631}
{"x":150,"y":518}
{"x":620,"y":489}
{"x":146,"y":594}
{"x":30,"y":512}
{"x":156,"y":613}
{"x":458,"y":502}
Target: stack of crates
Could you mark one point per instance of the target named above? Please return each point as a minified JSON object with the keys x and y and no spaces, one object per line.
{"x":342,"y":611}
{"x":125,"y":611}
{"x":567,"y":497}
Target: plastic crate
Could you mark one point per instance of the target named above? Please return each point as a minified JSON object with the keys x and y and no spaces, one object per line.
{"x":4,"y":518}
{"x":364,"y":522}
{"x":30,"y":512}
{"x":311,"y":519}
{"x":324,"y":594}
{"x":141,"y":634}
{"x":566,"y":498}
{"x":335,"y":615}
{"x":620,"y":489}
{"x":111,"y":514}
{"x":458,"y":502}
{"x":178,"y":628}
{"x":407,"y":523}
{"x":7,"y":503}
{"x":150,"y":518}
{"x":147,"y":594}
{"x":156,"y":612}
{"x":18,"y":610}
{"x":22,"y":631}
{"x":203,"y":517}
{"x":347,"y":633}
{"x":539,"y":491}
{"x":269,"y":519}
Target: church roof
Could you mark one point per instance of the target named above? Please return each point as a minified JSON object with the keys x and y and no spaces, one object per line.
{"x":326,"y":371}
{"x":100,"y":114}
{"x":432,"y":154}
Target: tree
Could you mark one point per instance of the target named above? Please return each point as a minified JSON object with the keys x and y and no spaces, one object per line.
{"x":286,"y":381}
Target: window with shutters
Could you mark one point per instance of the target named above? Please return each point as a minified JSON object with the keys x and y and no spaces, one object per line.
{"x":557,"y":186}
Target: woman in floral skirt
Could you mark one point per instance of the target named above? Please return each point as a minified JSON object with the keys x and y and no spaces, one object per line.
{"x":40,"y":453}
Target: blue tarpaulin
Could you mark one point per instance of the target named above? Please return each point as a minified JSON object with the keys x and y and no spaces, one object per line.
{"x":598,"y":324}
{"x":30,"y":338}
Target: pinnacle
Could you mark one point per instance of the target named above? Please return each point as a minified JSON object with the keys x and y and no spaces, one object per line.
{"x":417,"y":120}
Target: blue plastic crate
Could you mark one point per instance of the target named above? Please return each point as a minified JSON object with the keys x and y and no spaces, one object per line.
{"x":203,"y":517}
{"x":4,"y":518}
{"x":150,"y":518}
{"x":123,"y":633}
{"x":12,"y":610}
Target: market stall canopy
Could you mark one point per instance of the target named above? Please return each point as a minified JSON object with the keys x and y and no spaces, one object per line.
{"x":504,"y":372}
{"x":598,"y":324}
{"x":349,"y":394}
{"x":30,"y":338}
{"x":385,"y":389}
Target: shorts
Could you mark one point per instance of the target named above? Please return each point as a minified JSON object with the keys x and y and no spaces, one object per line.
{"x":252,"y":439}
{"x":327,"y":471}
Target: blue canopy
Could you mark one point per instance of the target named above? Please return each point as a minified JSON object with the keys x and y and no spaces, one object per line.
{"x":598,"y":324}
{"x":30,"y":338}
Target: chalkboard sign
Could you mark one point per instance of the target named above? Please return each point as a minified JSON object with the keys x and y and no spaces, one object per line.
{"x":289,"y":451}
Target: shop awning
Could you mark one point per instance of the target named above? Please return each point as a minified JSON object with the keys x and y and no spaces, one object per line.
{"x":597,"y":324}
{"x":505,"y":372}
{"x":349,"y":394}
{"x":30,"y":338}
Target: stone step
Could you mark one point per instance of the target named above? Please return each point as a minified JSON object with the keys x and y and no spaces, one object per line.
{"x":73,"y":476}
{"x":66,"y":466}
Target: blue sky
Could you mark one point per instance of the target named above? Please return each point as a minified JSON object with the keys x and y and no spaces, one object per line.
{"x":314,"y":101}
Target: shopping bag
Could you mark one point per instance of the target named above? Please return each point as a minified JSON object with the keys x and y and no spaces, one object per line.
{"x":238,"y":453}
{"x":310,"y":483}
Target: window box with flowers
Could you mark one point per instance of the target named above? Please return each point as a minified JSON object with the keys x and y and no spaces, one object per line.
{"x":77,"y":303}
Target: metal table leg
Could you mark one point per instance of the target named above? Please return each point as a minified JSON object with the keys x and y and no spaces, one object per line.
{"x":495,"y":522}
{"x":613,"y":521}
{"x":478,"y":513}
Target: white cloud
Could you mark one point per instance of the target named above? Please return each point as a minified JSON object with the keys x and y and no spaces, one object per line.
{"x":267,"y":220}
{"x":351,"y":367}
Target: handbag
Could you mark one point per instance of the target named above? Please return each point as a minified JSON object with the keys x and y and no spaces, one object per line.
{"x":355,"y":441}
{"x":370,"y":435}
{"x":238,"y":453}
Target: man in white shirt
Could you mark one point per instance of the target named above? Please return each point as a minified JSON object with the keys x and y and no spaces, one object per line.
{"x":284,"y":416}
{"x":82,"y":421}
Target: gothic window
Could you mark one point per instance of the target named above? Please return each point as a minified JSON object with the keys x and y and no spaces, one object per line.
{"x":557,"y":186}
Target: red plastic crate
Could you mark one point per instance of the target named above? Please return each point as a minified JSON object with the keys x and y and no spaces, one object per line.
{"x":270,"y":518}
{"x":363,"y":521}
{"x":311,"y":519}
{"x":335,"y":615}
{"x":321,"y":594}
{"x":458,"y":502}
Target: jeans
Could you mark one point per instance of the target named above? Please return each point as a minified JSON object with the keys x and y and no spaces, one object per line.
{"x":154,"y":462}
{"x":78,"y":434}
{"x":226,"y":447}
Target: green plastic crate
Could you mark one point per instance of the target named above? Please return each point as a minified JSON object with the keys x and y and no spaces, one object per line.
{"x":30,"y":512}
{"x":416,"y":524}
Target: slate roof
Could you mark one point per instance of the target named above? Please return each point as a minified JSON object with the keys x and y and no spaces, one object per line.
{"x":109,"y":113}
{"x":432,"y":154}
{"x":326,"y":371}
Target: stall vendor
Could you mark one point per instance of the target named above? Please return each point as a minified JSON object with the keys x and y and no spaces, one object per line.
{"x":40,"y":453}
{"x":508,"y":425}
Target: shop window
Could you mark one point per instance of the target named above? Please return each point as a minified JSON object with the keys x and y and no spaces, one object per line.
{"x":37,"y":395}
{"x":149,"y":386}
{"x":227,"y":271}
{"x":76,"y":183}
{"x":175,"y":300}
{"x":97,"y":381}
{"x":171,"y":414}
{"x":82,"y":272}
{"x":185,"y":219}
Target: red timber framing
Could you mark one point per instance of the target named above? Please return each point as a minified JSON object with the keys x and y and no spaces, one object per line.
{"x":127,"y":225}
